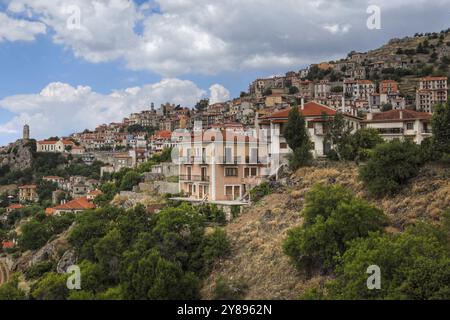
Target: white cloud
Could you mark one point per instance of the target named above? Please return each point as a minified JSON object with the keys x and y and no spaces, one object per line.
{"x":61,"y":109}
{"x":208,"y":36}
{"x":218,"y":93}
{"x":337,"y":28}
{"x":12,"y":29}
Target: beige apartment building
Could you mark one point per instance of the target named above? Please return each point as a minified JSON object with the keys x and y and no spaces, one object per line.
{"x":221,"y":166}
{"x":28,"y":193}
{"x":431,"y":91}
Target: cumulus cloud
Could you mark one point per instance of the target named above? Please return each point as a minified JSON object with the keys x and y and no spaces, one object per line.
{"x":61,"y":109}
{"x":218,"y":93}
{"x":12,"y":29}
{"x":173,"y":37}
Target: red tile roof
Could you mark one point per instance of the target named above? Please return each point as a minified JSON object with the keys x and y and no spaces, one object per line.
{"x":7,"y":244}
{"x":395,"y":115}
{"x":433,"y":78}
{"x":95,"y":193}
{"x":52,"y":178}
{"x":31,"y":186}
{"x":163,"y":134}
{"x":15,"y":207}
{"x":77,"y":204}
{"x":311,"y":109}
{"x":47,"y":142}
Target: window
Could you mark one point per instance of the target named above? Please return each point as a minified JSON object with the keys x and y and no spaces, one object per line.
{"x":228,"y":155}
{"x":229,"y":191}
{"x":410,"y":126}
{"x":310,"y":125}
{"x":231,"y":172}
{"x":250,"y":172}
{"x":254,"y":155}
{"x":283,"y":145}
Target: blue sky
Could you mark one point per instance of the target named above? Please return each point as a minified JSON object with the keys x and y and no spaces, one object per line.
{"x":60,"y":80}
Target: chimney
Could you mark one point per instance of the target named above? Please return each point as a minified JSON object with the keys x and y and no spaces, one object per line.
{"x":401,"y":114}
{"x":369,"y":116}
{"x":343,"y":103}
{"x":303,"y":103}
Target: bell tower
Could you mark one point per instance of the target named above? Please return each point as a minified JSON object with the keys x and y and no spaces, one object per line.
{"x":26,"y":132}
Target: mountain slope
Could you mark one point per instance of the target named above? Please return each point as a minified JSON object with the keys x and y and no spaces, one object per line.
{"x":257,"y":259}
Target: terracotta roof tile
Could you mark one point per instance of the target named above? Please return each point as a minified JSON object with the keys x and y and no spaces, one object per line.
{"x":399,"y":115}
{"x":77,"y":204}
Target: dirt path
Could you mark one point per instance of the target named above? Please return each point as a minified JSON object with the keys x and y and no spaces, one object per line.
{"x":4,"y":272}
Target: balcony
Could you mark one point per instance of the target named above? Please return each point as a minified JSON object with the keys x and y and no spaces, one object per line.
{"x":231,"y":160}
{"x":194,"y":178}
{"x":391,"y":131}
{"x":197,"y":160}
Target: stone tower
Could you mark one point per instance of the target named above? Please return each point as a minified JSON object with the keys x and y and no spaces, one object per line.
{"x":26,"y":132}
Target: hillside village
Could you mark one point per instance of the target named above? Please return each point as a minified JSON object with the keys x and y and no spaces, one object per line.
{"x":225,"y":154}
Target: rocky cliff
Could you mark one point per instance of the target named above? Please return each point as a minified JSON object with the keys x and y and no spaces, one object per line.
{"x":19,"y":155}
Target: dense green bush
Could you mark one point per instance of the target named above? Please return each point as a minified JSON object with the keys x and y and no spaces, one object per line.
{"x":260,"y":191}
{"x":36,"y":232}
{"x":39,"y":269}
{"x":133,"y":255}
{"x":11,"y":291}
{"x":414,"y":265}
{"x":333,"y":217}
{"x":392,"y":165}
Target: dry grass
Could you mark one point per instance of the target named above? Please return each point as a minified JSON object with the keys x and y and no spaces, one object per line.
{"x":257,"y":258}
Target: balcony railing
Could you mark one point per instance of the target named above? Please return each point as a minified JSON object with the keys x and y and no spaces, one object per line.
{"x":192,"y":159}
{"x":231,"y":160}
{"x":391,"y":130}
{"x":192,"y":178}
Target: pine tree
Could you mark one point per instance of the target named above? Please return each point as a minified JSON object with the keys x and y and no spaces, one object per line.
{"x":297,"y":139}
{"x":441,"y":128}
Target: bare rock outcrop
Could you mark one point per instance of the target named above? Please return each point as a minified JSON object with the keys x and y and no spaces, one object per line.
{"x":19,"y":155}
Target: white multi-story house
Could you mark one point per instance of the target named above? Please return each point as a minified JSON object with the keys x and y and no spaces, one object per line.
{"x":359,"y":89}
{"x":316,"y":116}
{"x":400,"y":124}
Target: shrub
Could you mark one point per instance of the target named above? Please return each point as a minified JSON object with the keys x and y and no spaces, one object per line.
{"x":225,"y":290}
{"x":414,"y":264}
{"x":260,"y":191}
{"x":39,"y":269}
{"x":10,"y":290}
{"x":392,"y":165}
{"x":332,"y":218}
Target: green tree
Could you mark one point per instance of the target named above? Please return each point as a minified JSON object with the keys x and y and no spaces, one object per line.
{"x":216,"y":246}
{"x":333,"y":217}
{"x":108,"y":252}
{"x":130,"y":180}
{"x":10,"y":290}
{"x":391,"y":166}
{"x":337,"y":133}
{"x":202,"y":105}
{"x":34,"y":235}
{"x":441,"y":128}
{"x":293,"y":90}
{"x":52,"y":286}
{"x":415,"y":265}
{"x":297,"y":139}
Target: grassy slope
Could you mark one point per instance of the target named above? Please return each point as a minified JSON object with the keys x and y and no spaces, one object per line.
{"x":257,"y":258}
